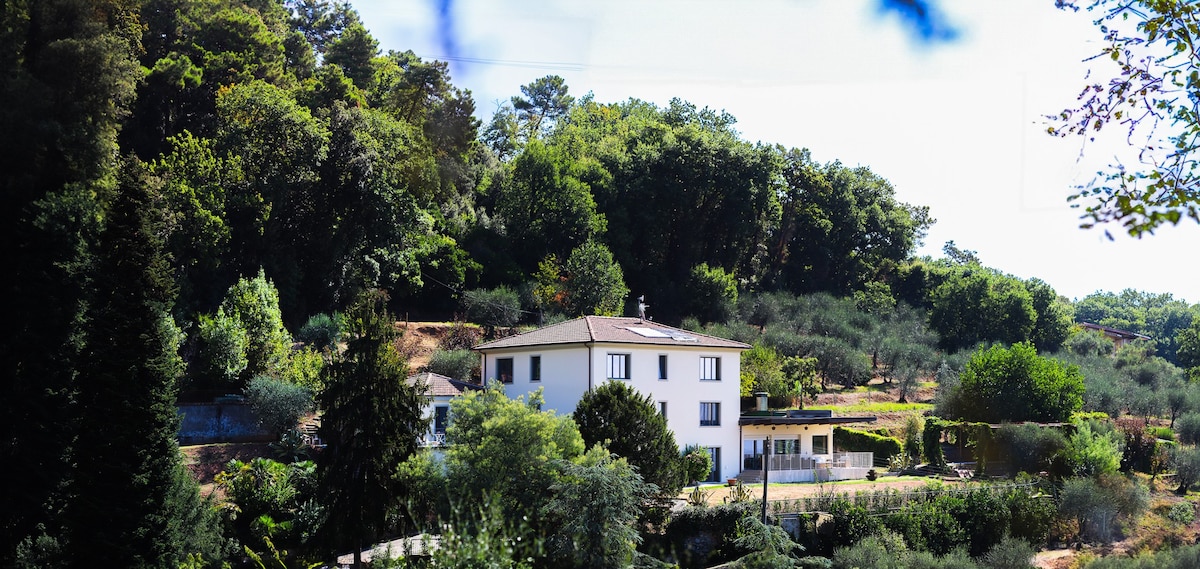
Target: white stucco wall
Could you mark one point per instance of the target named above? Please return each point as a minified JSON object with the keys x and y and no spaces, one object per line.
{"x":564,"y":374}
{"x":565,"y":379}
{"x":429,"y":410}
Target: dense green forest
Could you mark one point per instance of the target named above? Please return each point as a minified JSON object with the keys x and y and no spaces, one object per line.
{"x":211,"y":196}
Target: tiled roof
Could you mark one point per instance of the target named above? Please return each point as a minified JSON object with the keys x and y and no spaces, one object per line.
{"x":442,"y":386}
{"x":614,"y":330}
{"x":1125,"y":334}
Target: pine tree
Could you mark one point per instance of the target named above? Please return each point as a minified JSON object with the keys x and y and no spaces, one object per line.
{"x":127,"y":460}
{"x":372,"y":419}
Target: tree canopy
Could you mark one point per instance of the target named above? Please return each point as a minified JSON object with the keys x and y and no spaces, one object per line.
{"x":1016,"y":384}
{"x":629,"y":425}
{"x":371,"y":423}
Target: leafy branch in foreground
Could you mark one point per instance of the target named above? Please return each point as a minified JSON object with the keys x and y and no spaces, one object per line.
{"x":1152,"y":95}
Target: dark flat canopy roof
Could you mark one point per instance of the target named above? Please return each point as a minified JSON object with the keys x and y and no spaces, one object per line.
{"x":801,"y":420}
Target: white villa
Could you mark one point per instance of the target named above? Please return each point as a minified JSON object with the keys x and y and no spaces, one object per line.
{"x":695,"y":380}
{"x":441,"y":390}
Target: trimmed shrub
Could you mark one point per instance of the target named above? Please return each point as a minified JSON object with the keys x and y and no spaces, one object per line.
{"x":853,"y":440}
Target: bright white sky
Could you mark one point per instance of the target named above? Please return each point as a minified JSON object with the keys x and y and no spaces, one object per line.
{"x":955,"y":126}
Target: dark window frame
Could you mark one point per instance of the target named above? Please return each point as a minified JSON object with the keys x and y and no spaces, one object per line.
{"x":710,"y":413}
{"x":710,"y":368}
{"x":502,"y":363}
{"x":824,"y":447}
{"x":626,"y":370}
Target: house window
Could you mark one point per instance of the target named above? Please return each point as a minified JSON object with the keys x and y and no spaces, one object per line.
{"x":820,"y":444}
{"x":662,"y":366}
{"x":787,"y":446}
{"x":618,"y":366}
{"x":715,"y":474}
{"x":535,"y":368}
{"x":441,"y":419}
{"x":662,"y":409}
{"x":504,"y":369}
{"x":710,"y":414}
{"x":710,"y":368}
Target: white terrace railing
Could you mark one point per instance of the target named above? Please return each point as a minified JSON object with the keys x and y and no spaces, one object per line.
{"x":854,"y":460}
{"x":806,"y":462}
{"x":434,"y":440}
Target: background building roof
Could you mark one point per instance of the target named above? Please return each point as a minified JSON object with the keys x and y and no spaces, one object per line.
{"x":439,"y":385}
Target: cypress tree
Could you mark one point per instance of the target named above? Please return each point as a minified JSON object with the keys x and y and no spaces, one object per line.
{"x":372,"y":418}
{"x":127,"y":460}
{"x":67,"y":70}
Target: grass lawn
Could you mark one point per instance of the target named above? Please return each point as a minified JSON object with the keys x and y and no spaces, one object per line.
{"x":866,"y":406}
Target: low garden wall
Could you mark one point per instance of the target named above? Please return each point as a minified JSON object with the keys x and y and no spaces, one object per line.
{"x":203,"y":423}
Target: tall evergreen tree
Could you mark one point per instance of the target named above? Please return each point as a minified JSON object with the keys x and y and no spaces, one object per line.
{"x":127,"y":459}
{"x":629,"y":425}
{"x":67,"y":72}
{"x":371,"y":422}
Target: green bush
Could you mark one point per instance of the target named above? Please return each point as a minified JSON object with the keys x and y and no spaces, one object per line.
{"x":851,"y":523}
{"x":1031,"y":514}
{"x":1182,"y":513}
{"x":941,"y":526}
{"x":220,"y":356}
{"x":1181,"y":558}
{"x":321,"y":331}
{"x":264,"y":487}
{"x":495,"y":308}
{"x":853,"y":440}
{"x":1010,"y":553}
{"x":462,"y":365}
{"x":703,"y":537}
{"x":279,"y":405}
{"x":1188,"y":428}
{"x":1094,"y":449}
{"x":712,"y":293}
{"x":1029,"y":447}
{"x":697,"y":463}
{"x":1164,"y":433}
{"x":985,"y":517}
